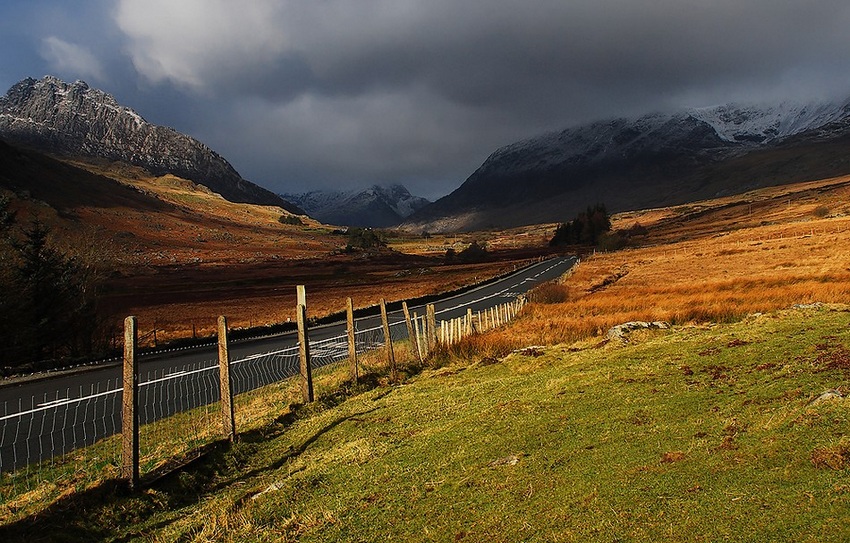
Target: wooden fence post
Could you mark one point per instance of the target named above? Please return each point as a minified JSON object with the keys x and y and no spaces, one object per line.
{"x":411,"y":333}
{"x":227,"y":412}
{"x":419,"y":328}
{"x":352,"y":346}
{"x":130,"y":422}
{"x":388,"y":342}
{"x":431,"y":317}
{"x":304,"y":355}
{"x":470,"y":328}
{"x":301,"y":295}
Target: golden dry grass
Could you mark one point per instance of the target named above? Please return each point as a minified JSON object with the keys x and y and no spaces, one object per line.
{"x":711,"y":261}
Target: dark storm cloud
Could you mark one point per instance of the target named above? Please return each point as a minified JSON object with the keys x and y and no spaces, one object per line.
{"x":299,"y":94}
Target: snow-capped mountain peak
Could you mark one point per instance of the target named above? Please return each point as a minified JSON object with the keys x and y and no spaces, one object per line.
{"x":762,"y":124}
{"x":649,"y":161}
{"x":377,"y":206}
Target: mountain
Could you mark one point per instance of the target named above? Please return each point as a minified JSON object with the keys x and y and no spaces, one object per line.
{"x":651,"y":161}
{"x":78,"y":121}
{"x":375,"y":207}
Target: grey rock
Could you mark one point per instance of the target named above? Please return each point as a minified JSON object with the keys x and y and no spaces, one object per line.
{"x":73,"y":119}
{"x":621,"y":331}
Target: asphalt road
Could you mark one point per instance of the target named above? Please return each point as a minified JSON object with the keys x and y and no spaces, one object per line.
{"x":47,"y":417}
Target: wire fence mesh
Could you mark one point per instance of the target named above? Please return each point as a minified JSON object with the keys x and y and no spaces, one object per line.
{"x":44,"y":443}
{"x":71,"y":437}
{"x":178,"y":413}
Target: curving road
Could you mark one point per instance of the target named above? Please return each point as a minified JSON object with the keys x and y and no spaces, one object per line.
{"x":50,"y":416}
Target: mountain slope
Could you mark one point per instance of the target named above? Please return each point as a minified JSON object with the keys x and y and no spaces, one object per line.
{"x":79,"y":121}
{"x":652,"y":161}
{"x":375,"y":207}
{"x":126,"y":219}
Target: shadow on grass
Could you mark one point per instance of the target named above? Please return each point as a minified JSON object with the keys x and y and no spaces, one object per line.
{"x":112,"y":512}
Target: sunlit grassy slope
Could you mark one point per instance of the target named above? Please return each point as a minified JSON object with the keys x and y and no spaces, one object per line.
{"x":700,"y":433}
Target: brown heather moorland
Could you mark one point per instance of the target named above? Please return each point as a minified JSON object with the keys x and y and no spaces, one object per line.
{"x":716,"y":260}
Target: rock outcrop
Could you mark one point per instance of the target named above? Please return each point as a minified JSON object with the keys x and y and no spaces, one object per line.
{"x":73,"y":119}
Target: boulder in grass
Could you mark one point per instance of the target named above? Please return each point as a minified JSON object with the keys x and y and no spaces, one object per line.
{"x":621,"y":331}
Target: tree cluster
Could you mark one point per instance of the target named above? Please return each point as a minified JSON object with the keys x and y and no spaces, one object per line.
{"x":585,"y":229}
{"x":364,"y":238}
{"x":474,"y":252}
{"x":47,"y":307}
{"x":293,"y":220}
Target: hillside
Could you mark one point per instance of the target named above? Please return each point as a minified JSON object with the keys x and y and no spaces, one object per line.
{"x":140,"y":220}
{"x":652,"y":161}
{"x":75,"y":120}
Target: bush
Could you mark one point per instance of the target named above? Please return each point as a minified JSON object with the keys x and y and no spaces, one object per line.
{"x":612,"y":241}
{"x":820,"y":212}
{"x":476,"y":252}
{"x":364,"y":238}
{"x":637,"y":229}
{"x":291,"y":219}
{"x":550,"y":293}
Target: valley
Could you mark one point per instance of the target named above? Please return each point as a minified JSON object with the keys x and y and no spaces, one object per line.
{"x":711,"y":424}
{"x":177,"y":255}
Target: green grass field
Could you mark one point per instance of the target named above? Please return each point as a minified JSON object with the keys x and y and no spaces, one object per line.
{"x":705,"y":433}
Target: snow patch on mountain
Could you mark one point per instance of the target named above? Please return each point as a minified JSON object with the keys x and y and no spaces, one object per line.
{"x":628,"y":162}
{"x":764,"y":124}
{"x":377,"y":207}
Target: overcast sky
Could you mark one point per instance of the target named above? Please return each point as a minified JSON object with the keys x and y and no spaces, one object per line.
{"x":305,"y":94}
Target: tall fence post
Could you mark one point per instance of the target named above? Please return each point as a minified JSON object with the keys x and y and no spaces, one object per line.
{"x":130,"y":419}
{"x":470,"y":328}
{"x":304,"y":355}
{"x":228,"y":415}
{"x":411,"y":333}
{"x":301,"y":294}
{"x":431,"y":318}
{"x":421,"y":348}
{"x":388,"y":341}
{"x":352,"y":346}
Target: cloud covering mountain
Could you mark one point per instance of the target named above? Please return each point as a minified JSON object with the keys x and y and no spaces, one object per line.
{"x":335,"y":94}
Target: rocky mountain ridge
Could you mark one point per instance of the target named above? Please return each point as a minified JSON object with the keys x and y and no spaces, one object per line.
{"x":375,"y":207}
{"x":73,"y":119}
{"x":650,"y":161}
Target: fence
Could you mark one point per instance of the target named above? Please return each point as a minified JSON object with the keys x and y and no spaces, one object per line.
{"x":145,"y":422}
